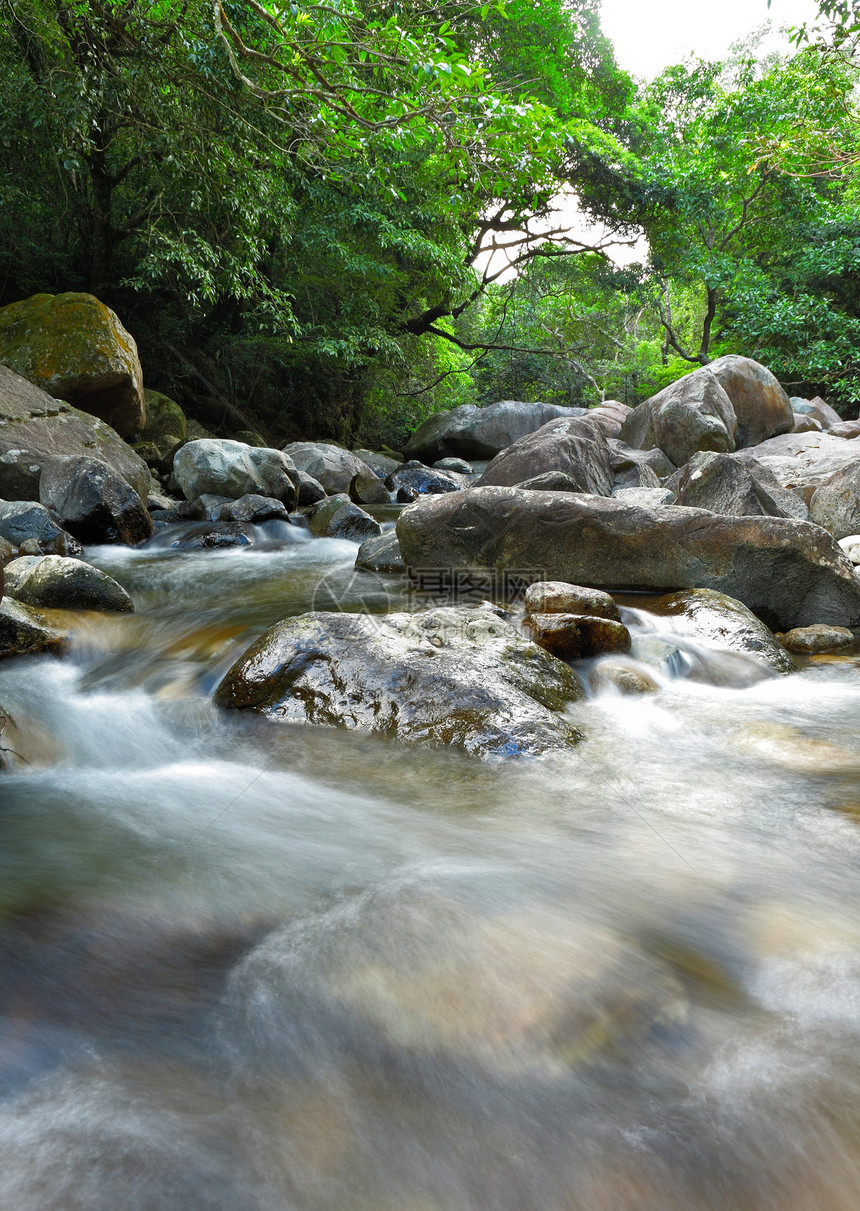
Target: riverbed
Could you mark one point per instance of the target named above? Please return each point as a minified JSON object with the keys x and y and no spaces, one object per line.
{"x":254,"y":967}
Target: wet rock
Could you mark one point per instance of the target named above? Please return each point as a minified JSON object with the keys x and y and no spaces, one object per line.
{"x":576,"y":447}
{"x":723,"y":622}
{"x":450,"y":676}
{"x":24,"y":630}
{"x":56,"y":583}
{"x":694,"y":413}
{"x":309,"y":490}
{"x":226,"y":468}
{"x":204,"y":508}
{"x":405,"y":495}
{"x":93,"y":502}
{"x":550,"y":481}
{"x":338,"y":517}
{"x":836,"y":504}
{"x":576,"y":636}
{"x":212,"y":536}
{"x":254,"y":508}
{"x":818,"y":409}
{"x":762,"y":408}
{"x":556,"y":597}
{"x":454,"y":464}
{"x":330,"y":465}
{"x":790,"y":573}
{"x":724,"y":484}
{"x":379,"y":463}
{"x":817,"y":639}
{"x":157,"y":500}
{"x":648,"y":498}
{"x":34,"y":428}
{"x":471,"y":432}
{"x":75,"y":348}
{"x":625,"y":677}
{"x":425,"y":481}
{"x":23,"y":519}
{"x":368,"y":489}
{"x":380,"y":554}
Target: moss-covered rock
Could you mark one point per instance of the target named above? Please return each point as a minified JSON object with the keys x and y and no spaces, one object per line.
{"x":64,"y":584}
{"x":166,"y":425}
{"x":76,"y":349}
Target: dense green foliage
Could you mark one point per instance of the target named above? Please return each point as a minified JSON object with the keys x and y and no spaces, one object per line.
{"x":292,"y":207}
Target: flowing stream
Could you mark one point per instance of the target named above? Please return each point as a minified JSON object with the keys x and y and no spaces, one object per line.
{"x":256,"y":968}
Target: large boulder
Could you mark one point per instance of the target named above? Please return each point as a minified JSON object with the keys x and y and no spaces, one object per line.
{"x":472,"y":432}
{"x":789,"y":573}
{"x":332,"y":466}
{"x":761,"y":406}
{"x":634,"y":468}
{"x":719,"y":621}
{"x":64,"y":584}
{"x":458,"y":677}
{"x":576,"y":447}
{"x":35,"y":427}
{"x":166,"y":425}
{"x":75,"y":348}
{"x":818,"y":409}
{"x":424,"y":480}
{"x":220,"y":467}
{"x":724,"y":484}
{"x":21,"y":520}
{"x":804,"y":461}
{"x":836,"y":504}
{"x":694,"y":413}
{"x":93,"y":502}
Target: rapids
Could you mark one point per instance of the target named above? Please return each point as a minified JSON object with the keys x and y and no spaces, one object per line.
{"x":259,"y":968}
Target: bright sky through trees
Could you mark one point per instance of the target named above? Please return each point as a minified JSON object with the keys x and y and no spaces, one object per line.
{"x":649,"y":35}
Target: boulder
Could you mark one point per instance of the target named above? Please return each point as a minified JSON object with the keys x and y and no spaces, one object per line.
{"x":34,"y":427}
{"x":610,"y":417}
{"x":368,"y":489}
{"x":646,"y":497}
{"x":556,"y":597}
{"x":211,"y":536}
{"x":694,"y":413}
{"x":806,"y":424}
{"x":836,"y":504}
{"x":255,"y":509}
{"x":330,"y":465}
{"x":472,"y":432}
{"x":309,"y":490}
{"x":851,"y":547}
{"x":762,"y":408}
{"x":622,"y":677}
{"x":454,"y":464}
{"x":720,"y":621}
{"x":724,"y":484}
{"x":380,"y":464}
{"x":576,"y":636}
{"x":24,"y":630}
{"x":203,"y":508}
{"x":576,"y":447}
{"x":93,"y":502}
{"x":550,"y":481}
{"x":23,"y":519}
{"x":422,"y":480}
{"x":803,"y":461}
{"x":629,"y":464}
{"x":809,"y":640}
{"x":381,"y":553}
{"x":818,"y":409}
{"x":165,"y":424}
{"x":221,"y":467}
{"x":75,"y":348}
{"x":846,"y":428}
{"x":338,"y":517}
{"x":452,"y":676}
{"x":790,"y":573}
{"x":64,"y":584}
{"x":250,"y":437}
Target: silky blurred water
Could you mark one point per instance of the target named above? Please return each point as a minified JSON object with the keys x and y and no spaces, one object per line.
{"x":248,"y":966}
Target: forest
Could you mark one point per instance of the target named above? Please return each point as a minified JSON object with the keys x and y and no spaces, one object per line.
{"x":332,"y":220}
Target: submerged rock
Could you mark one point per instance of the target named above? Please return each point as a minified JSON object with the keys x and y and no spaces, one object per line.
{"x":93,"y":502}
{"x":790,"y":573}
{"x":625,"y":677}
{"x":449,"y":676}
{"x":721,"y":621}
{"x":64,"y":584}
{"x":76,"y":349}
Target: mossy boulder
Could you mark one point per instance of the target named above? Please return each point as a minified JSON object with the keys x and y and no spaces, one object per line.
{"x":166,"y":425}
{"x":76,"y":349}
{"x":64,"y":584}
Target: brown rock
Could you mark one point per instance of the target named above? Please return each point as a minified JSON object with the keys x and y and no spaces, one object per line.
{"x":817,"y":638}
{"x":556,"y":597}
{"x":576,"y":637}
